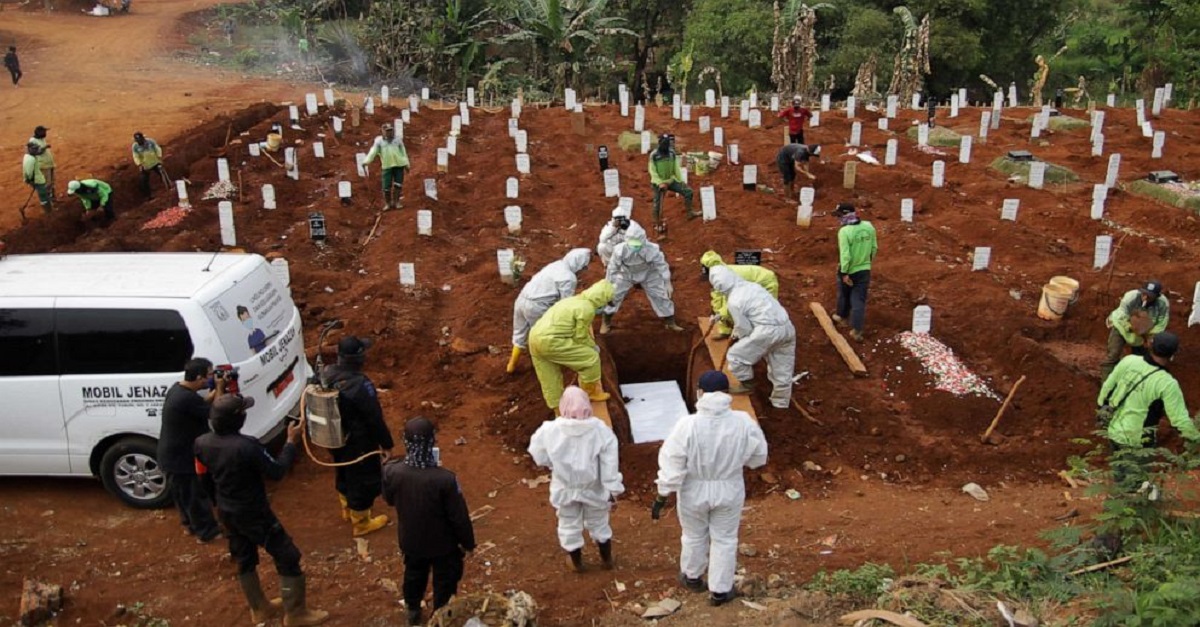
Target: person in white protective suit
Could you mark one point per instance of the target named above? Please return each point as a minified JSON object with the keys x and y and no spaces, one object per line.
{"x":551,"y":284}
{"x":761,"y":328}
{"x":701,"y":460}
{"x":636,"y":261}
{"x":613,"y":233}
{"x":581,"y":452}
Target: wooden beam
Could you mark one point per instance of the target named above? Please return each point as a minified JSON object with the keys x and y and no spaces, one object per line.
{"x":716,"y":351}
{"x":839,"y":342}
{"x":600,"y":410}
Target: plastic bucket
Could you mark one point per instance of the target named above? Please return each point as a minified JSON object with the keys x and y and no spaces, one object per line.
{"x":1068,"y":283}
{"x":274,"y":140}
{"x":1054,"y":303}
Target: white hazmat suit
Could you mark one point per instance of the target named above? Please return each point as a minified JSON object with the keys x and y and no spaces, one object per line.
{"x":764,"y":330}
{"x":551,"y":284}
{"x":636,"y":261}
{"x":582,"y":455}
{"x":610,"y":236}
{"x":702,"y":461}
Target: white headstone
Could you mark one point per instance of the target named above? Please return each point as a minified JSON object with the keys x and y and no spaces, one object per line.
{"x":424,"y":222}
{"x":1111,"y":100}
{"x":414,"y":104}
{"x":511,"y":187}
{"x":923,"y":134}
{"x":995,"y":117}
{"x":282,"y":272}
{"x":443,"y":159}
{"x":408,"y":274}
{"x":882,"y":123}
{"x":512,"y":128}
{"x":369,"y":106}
{"x":385,"y":95}
{"x":424,"y":93}
{"x":851,"y":106}
{"x":223,"y":170}
{"x":1097,"y":212}
{"x":1098,"y":145}
{"x":294,"y":114}
{"x":452,"y":144}
{"x":464,"y":112}
{"x":893,"y":102}
{"x":922,"y":319}
{"x":804,"y":215}
{"x":310,"y":103}
{"x":1168,"y":94}
{"x":1114,"y":168}
{"x":360,"y":163}
{"x":625,"y":204}
{"x":645,"y":142}
{"x":1008,"y":211}
{"x":724,"y":106}
{"x":512,"y":218}
{"x":405,"y":115}
{"x":522,"y":141}
{"x":733,"y":154}
{"x":708,"y":203}
{"x":705,"y":124}
{"x":228,"y":232}
{"x":1160,"y":138}
{"x":1099,"y":191}
{"x":569,"y":99}
{"x":964,"y":149}
{"x":985,"y":122}
{"x":319,"y":150}
{"x":710,"y":98}
{"x":775,"y":103}
{"x":982,"y":258}
{"x":470,"y":96}
{"x":954,"y":105}
{"x":939,"y":173}
{"x":906,"y":210}
{"x":515,"y":108}
{"x":1157,"y":105}
{"x":523,"y":163}
{"x":1195,"y":317}
{"x":625,"y":105}
{"x":755,"y":118}
{"x":744,"y":111}
{"x":889,"y":157}
{"x":916,"y":101}
{"x":504,"y":259}
{"x":750,"y":175}
{"x":639,"y":118}
{"x":676,"y":107}
{"x":962,"y":97}
{"x":612,"y":183}
{"x":1012,"y":95}
{"x":1103,"y":250}
{"x":718,"y":136}
{"x":1035,"y":129}
{"x":268,"y":196}
{"x":825,"y":104}
{"x":687,"y":113}
{"x":181,"y":191}
{"x":683,"y":174}
{"x":1147,"y":130}
{"x":456,"y":124}
{"x":754,"y":100}
{"x":808,"y":195}
{"x":344,"y":190}
{"x":291,"y":163}
{"x":578,"y":107}
{"x":329,"y":98}
{"x":337,"y":125}
{"x":856,"y":133}
{"x":1037,"y":174}
{"x":431,"y":188}
{"x":815,"y":120}
{"x":255,"y":149}
{"x":1098,"y":120}
{"x":1140,"y":105}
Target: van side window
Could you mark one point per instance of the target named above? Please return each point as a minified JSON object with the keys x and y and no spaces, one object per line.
{"x":117,"y":341}
{"x":27,"y":343}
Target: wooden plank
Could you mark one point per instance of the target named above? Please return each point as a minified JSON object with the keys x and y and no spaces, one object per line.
{"x":716,"y":351}
{"x":839,"y":342}
{"x":600,"y":410}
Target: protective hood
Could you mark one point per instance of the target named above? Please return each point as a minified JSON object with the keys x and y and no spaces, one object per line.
{"x":710,"y":259}
{"x":577,"y":259}
{"x":635,"y":231}
{"x":723,"y":279}
{"x":575,"y":404}
{"x":714,"y":404}
{"x":598,"y":293}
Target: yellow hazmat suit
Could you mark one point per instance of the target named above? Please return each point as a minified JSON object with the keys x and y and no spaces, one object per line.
{"x":562,"y":337}
{"x":753,"y":274}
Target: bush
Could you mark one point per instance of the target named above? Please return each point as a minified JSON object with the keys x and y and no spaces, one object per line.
{"x":248,"y":58}
{"x":1055,"y":174}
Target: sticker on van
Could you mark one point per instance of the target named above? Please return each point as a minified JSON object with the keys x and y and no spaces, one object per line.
{"x":250,"y":315}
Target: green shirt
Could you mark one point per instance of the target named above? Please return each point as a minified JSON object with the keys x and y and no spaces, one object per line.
{"x":392,"y":154}
{"x":30,"y":170}
{"x":1159,"y":311}
{"x":856,"y":247}
{"x":148,"y":156}
{"x":1127,"y":423}
{"x":93,"y":191}
{"x":46,"y":158}
{"x":664,"y":169}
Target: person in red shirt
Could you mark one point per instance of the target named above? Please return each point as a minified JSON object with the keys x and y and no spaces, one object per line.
{"x":797,"y":116}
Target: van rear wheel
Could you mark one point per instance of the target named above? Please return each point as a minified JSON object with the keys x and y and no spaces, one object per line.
{"x":130,"y":470}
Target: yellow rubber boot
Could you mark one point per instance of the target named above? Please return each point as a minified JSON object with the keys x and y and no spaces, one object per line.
{"x":345,"y":507}
{"x":595,"y":390}
{"x":365,"y":523}
{"x":512,"y":361}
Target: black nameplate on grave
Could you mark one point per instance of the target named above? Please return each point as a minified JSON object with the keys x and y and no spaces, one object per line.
{"x":747,"y":257}
{"x":316,"y":226}
{"x":1020,"y":155}
{"x":602,"y":154}
{"x":1055,"y":113}
{"x":1163,"y":176}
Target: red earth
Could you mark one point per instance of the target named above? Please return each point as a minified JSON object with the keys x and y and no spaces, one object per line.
{"x":893,"y":450}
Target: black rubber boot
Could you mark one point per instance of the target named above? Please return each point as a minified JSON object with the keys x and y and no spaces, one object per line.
{"x":606,"y":554}
{"x":576,"y":558}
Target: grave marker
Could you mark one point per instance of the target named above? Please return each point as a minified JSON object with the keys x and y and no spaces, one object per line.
{"x":385,"y":95}
{"x":825,"y":104}
{"x":255,"y":149}
{"x":1012,"y":95}
{"x":645,"y":142}
{"x":733,"y":154}
{"x":749,"y":177}
{"x":639,"y":118}
{"x":470,"y":96}
{"x":916,"y":102}
{"x":808,"y":195}
{"x":512,"y":128}
{"x":294,"y":114}
{"x":1103,"y":250}
{"x":408,"y":274}
{"x":523,"y":163}
{"x":882,"y":123}
{"x":676,"y":107}
{"x":569,"y":99}
{"x":755,"y":118}
{"x":515,"y":108}
{"x":512,"y":218}
{"x":268,"y":196}
{"x":329,"y":98}
{"x":625,"y":204}
{"x":443,"y":160}
{"x":612,"y":183}
{"x":804,"y":215}
{"x":1037,"y":174}
{"x":893,"y":102}
{"x":1140,"y":105}
{"x":310,"y":103}
{"x":710,"y":98}
{"x":744,"y":111}
{"x":405,"y":115}
{"x":1009,"y":210}
{"x":1111,"y":100}
{"x":624,"y":105}
{"x":452,"y":145}
{"x":1156,"y":107}
{"x":962,"y":97}
{"x":369,"y":106}
{"x":704,"y":124}
{"x":985,"y":122}
{"x":724,"y":106}
{"x":815,"y":120}
{"x":360,"y":163}
{"x":687,"y":113}
{"x":1147,"y":130}
{"x":424,"y":93}
{"x":181,"y":190}
{"x":1114,"y":167}
{"x":291,"y":163}
{"x":708,"y":203}
{"x":431,"y":188}
{"x":344,"y":192}
{"x":775,"y":103}
{"x":889,"y":158}
{"x":1098,"y":146}
{"x":318,"y":150}
{"x":906,"y":210}
{"x":522,"y":141}
{"x":455,"y":124}
{"x":856,"y":133}
{"x":954,"y":105}
{"x":964,"y":149}
{"x":228,"y":232}
{"x":923,"y":134}
{"x":939,"y":173}
{"x":982,"y":258}
{"x":754,"y":100}
{"x":504,"y":259}
{"x":464,"y":112}
{"x":1168,"y":94}
{"x":849,"y":174}
{"x":851,"y":106}
{"x":337,"y":126}
{"x":1160,"y":138}
{"x":414,"y":104}
{"x":511,"y":187}
{"x":922,"y":319}
{"x":424,"y":222}
{"x":223,"y":170}
{"x":282,"y":272}
{"x":718,"y":136}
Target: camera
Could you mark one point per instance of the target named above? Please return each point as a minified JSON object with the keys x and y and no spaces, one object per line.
{"x":229,"y":374}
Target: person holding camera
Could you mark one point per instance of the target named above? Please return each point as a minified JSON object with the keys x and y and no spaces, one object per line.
{"x":613,"y":233}
{"x":185,"y":418}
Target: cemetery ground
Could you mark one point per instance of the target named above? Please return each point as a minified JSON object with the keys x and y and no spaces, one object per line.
{"x":879,"y":478}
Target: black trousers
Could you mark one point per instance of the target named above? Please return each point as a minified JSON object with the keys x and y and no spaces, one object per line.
{"x":360,"y":483}
{"x":195,"y":508}
{"x":16,"y":74}
{"x":447,"y":572}
{"x":852,"y":299}
{"x":145,"y":183}
{"x":796,"y":138}
{"x":249,"y":530}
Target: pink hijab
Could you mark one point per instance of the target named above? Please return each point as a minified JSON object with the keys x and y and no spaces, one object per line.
{"x":575,"y":404}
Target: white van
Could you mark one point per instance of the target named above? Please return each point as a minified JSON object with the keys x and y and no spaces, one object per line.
{"x":90,"y":344}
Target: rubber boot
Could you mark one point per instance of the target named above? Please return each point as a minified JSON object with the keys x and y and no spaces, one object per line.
{"x":295,"y":606}
{"x":512,"y":361}
{"x":365,"y":523}
{"x":575,"y":559}
{"x":606,"y":553}
{"x":669,"y":322}
{"x":605,"y":324}
{"x":414,"y":616}
{"x":595,"y":390}
{"x":838,"y":321}
{"x":261,"y":610}
{"x":742,"y":387}
{"x":856,"y":335}
{"x":345,"y":507}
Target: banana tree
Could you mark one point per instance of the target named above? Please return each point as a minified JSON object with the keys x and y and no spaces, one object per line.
{"x":462,"y":39}
{"x":562,"y":35}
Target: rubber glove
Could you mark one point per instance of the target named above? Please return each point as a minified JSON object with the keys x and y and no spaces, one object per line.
{"x":656,"y":509}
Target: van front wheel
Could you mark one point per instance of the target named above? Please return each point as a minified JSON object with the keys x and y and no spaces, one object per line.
{"x":130,"y":470}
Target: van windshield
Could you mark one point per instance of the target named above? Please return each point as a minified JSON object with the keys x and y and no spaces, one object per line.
{"x":250,"y":315}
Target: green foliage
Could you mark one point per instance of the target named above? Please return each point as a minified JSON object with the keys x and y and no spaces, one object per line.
{"x":733,"y":36}
{"x":248,"y":58}
{"x":862,"y":585}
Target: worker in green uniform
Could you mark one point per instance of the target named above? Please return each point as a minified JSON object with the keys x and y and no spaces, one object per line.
{"x":665,"y":176}
{"x":45,"y":158}
{"x":393,"y":161}
{"x":856,"y":249}
{"x":147,"y":155}
{"x":94,"y":194}
{"x":751,"y":273}
{"x":35,"y":178}
{"x":1142,"y":314}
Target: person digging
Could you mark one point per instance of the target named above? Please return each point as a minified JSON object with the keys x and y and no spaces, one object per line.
{"x":1141,"y":314}
{"x":666,"y":176}
{"x":793,"y":158}
{"x":36,"y":179}
{"x":93,"y":194}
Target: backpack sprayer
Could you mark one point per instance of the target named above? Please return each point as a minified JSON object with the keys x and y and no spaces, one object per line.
{"x":320,"y":412}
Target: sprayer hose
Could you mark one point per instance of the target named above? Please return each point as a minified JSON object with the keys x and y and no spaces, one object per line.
{"x":308,"y":449}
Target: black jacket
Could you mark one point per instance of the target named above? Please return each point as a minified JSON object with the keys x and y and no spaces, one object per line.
{"x":431,"y":514}
{"x":232,"y":467}
{"x":362,"y":417}
{"x":184,"y":418}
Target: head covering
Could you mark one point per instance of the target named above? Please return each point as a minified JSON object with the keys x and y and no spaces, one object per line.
{"x":713,"y":381}
{"x":73,"y":187}
{"x":228,"y":413}
{"x":664,"y":143}
{"x":137,"y":137}
{"x":846,"y":213}
{"x":351,"y":346}
{"x":1165,"y":344}
{"x":814,"y":150}
{"x":1152,"y":288}
{"x":723,"y":279}
{"x":40,"y":132}
{"x":386,"y":127}
{"x":618,"y":212}
{"x":711,"y":258}
{"x":577,"y":259}
{"x":419,"y":434}
{"x":796,"y":100}
{"x":575,"y":404}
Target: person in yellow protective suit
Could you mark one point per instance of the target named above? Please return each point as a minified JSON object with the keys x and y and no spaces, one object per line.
{"x":753,"y":274}
{"x":562,"y":337}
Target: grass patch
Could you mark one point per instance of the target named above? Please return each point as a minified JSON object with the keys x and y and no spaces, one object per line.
{"x":1164,"y":194}
{"x":630,"y":141}
{"x":1062,"y":122}
{"x":1055,"y":174}
{"x":938,"y":136}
